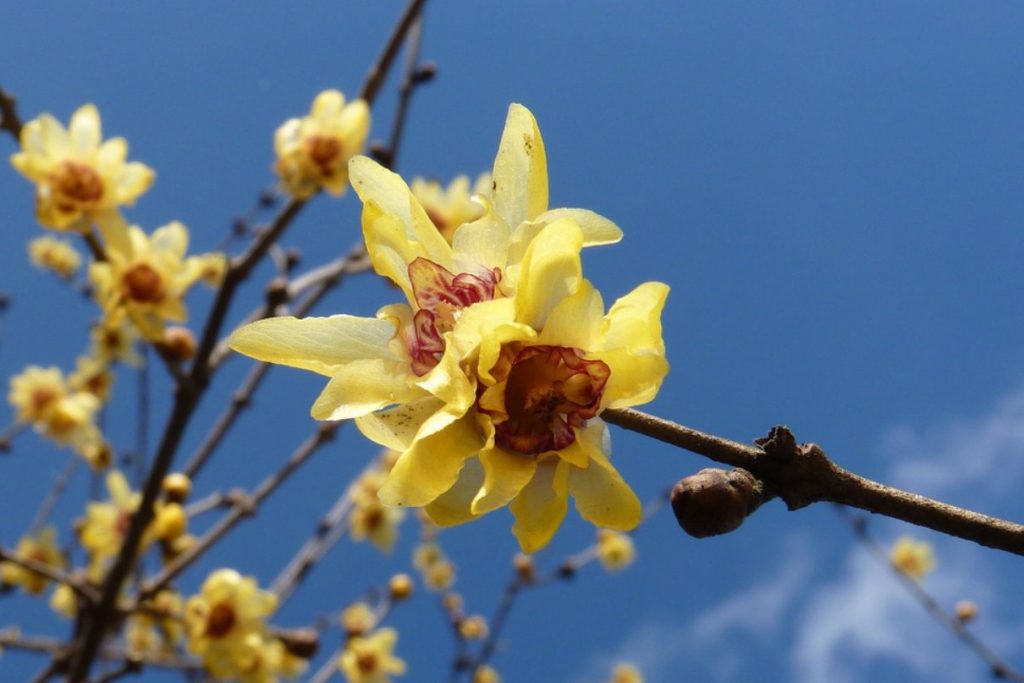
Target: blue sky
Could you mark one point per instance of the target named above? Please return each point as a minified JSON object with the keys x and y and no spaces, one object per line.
{"x":831,"y":190}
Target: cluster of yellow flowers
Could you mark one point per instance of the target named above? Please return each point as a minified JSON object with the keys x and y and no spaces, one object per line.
{"x":226,"y":625}
{"x":489,"y":382}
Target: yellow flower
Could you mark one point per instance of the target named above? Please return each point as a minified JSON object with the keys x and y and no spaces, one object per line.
{"x":146,"y":278}
{"x":913,"y":558}
{"x":313,"y":152}
{"x":614,"y":549}
{"x":501,"y":361}
{"x":626,"y":673}
{"x":64,"y":602}
{"x":435,"y":568}
{"x":226,"y":627}
{"x":486,"y":674}
{"x":147,"y":633}
{"x":92,"y":375}
{"x":357,"y":619}
{"x":449,"y":208}
{"x":71,"y":422}
{"x":371,"y":519}
{"x":41,"y":547}
{"x":371,"y":659}
{"x":76,"y":176}
{"x":212,"y":268}
{"x":35,"y":391}
{"x":106,"y":523}
{"x":51,"y":253}
{"x":115,"y":342}
{"x":473,"y":627}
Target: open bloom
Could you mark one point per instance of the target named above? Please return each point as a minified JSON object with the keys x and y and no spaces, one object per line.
{"x":40,"y":547}
{"x":501,"y":360}
{"x":452,"y":206}
{"x":371,"y":659}
{"x":145,"y":279}
{"x":313,"y":152}
{"x":76,"y":175}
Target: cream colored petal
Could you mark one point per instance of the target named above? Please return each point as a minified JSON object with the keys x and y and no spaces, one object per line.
{"x":112,"y":153}
{"x":602,"y":497}
{"x":135,"y":179}
{"x":317,"y":344}
{"x":390,"y":251}
{"x":114,"y":231}
{"x":505,"y":475}
{"x":551,"y":271}
{"x":596,"y":229}
{"x":576,"y":321}
{"x":354,"y":123}
{"x":483,"y":242}
{"x":431,"y":465}
{"x":171,"y":238}
{"x":541,"y":506}
{"x":53,"y":136}
{"x":327,"y":105}
{"x":396,"y":428}
{"x":635,"y":377}
{"x":84,"y":130}
{"x":520,"y":169}
{"x":455,"y":506}
{"x":363,"y":386}
{"x":634,"y":320}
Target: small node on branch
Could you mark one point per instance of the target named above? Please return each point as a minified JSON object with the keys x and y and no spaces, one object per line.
{"x":567,"y":571}
{"x":277,"y":292}
{"x":239,"y":227}
{"x":301,"y":642}
{"x":268,"y":199}
{"x":426,"y":73}
{"x":524,"y":567}
{"x":714,"y":501}
{"x":292,"y":258}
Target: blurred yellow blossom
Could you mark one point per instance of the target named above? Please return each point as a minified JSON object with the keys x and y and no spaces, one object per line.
{"x":449,"y":208}
{"x":51,"y":253}
{"x":35,"y":391}
{"x":313,"y":151}
{"x":486,"y":674}
{"x":76,"y":175}
{"x":357,"y":619}
{"x":626,"y":673}
{"x":369,"y":517}
{"x":473,"y":627}
{"x":912,"y":557}
{"x":115,"y":342}
{"x":501,"y":361}
{"x":40,"y":547}
{"x":92,"y":376}
{"x":146,"y":279}
{"x":371,"y":659}
{"x":64,"y":602}
{"x":614,"y":549}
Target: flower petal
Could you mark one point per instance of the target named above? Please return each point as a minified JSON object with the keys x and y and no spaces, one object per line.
{"x":597,"y":229}
{"x":484,"y":242}
{"x":505,"y":475}
{"x":576,"y":321}
{"x":317,"y":344}
{"x":551,"y":271}
{"x":396,"y":428}
{"x":635,"y":350}
{"x":602,"y":497}
{"x":520,"y":169}
{"x":455,"y":506}
{"x":327,"y":105}
{"x":84,"y":130}
{"x":541,"y":505}
{"x":431,"y":465}
{"x":363,"y":386}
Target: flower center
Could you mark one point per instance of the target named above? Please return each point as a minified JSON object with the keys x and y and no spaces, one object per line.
{"x":42,"y":397}
{"x":440,"y":296}
{"x":77,"y":183}
{"x":367,"y":662}
{"x":220,"y":620}
{"x":323,"y":152}
{"x":143,"y":284}
{"x":543,"y":394}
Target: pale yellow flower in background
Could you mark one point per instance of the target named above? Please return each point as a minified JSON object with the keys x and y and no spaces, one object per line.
{"x":436,"y":570}
{"x":54,"y":254}
{"x":486,"y":674}
{"x":357,"y":619}
{"x":371,"y":659}
{"x":369,"y":518}
{"x":106,"y":523}
{"x":93,"y":376}
{"x":78,"y":178}
{"x":115,"y":342}
{"x":40,"y":547}
{"x":145,"y":278}
{"x":913,"y":558}
{"x":626,"y":673}
{"x":35,"y":391}
{"x":614,"y":550}
{"x":313,"y":151}
{"x":448,"y":208}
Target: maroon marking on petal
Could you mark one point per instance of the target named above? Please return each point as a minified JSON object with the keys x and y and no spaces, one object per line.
{"x":426,"y":346}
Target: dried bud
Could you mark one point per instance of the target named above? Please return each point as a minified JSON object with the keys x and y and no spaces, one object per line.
{"x":567,"y":570}
{"x":473,"y":628}
{"x":301,"y":642}
{"x":452,"y":601}
{"x":965,"y":611}
{"x":524,"y":567}
{"x":176,"y":487}
{"x":714,"y":501}
{"x":178,"y":343}
{"x":400,"y":587}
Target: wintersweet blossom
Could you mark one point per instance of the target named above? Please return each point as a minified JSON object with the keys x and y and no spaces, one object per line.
{"x":76,"y":175}
{"x":614,"y":549}
{"x":450,"y":207}
{"x":40,"y":547}
{"x":57,"y":255}
{"x":371,"y":659}
{"x":490,"y":379}
{"x":313,"y":152}
{"x":145,"y":278}
{"x":626,"y":673}
{"x":914,"y":558}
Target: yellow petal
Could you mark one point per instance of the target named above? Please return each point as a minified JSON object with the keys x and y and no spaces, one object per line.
{"x":363,"y":386}
{"x":520,"y":169}
{"x":455,"y":506}
{"x":171,"y":238}
{"x":396,"y":428}
{"x":576,"y":321}
{"x":53,"y":137}
{"x":551,"y":271}
{"x":84,"y":130}
{"x":597,"y":229}
{"x":114,"y":231}
{"x":355,"y":125}
{"x":483,"y":242}
{"x":431,"y":465}
{"x":635,"y":350}
{"x":541,"y":505}
{"x":328,"y":104}
{"x":317,"y":344}
{"x":135,"y":179}
{"x":505,"y":475}
{"x":112,"y":154}
{"x":602,"y":497}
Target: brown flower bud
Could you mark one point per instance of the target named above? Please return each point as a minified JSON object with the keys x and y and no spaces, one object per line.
{"x":301,"y":642}
{"x":178,"y":343}
{"x":715,"y":501}
{"x":400,"y":587}
{"x":965,"y":611}
{"x":524,"y":567}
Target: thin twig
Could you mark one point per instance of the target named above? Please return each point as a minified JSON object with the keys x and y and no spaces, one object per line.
{"x":56,"y":574}
{"x":9,"y":638}
{"x":999,"y":668}
{"x":410,"y":79}
{"x":128,"y":666}
{"x":379,"y":70}
{"x":60,"y":484}
{"x":7,"y":435}
{"x":802,"y":475}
